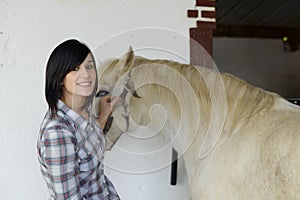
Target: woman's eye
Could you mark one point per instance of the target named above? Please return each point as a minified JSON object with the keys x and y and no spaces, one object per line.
{"x":90,"y":67}
{"x":102,"y":93}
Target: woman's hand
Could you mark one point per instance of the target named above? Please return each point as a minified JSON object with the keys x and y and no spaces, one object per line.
{"x":106,"y":105}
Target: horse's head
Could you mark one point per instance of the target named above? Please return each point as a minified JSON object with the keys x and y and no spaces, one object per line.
{"x":115,"y":80}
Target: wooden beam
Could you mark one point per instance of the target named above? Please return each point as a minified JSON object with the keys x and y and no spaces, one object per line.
{"x":292,"y":34}
{"x":257,"y":32}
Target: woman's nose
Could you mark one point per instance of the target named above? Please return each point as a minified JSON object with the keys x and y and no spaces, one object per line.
{"x":84,"y":72}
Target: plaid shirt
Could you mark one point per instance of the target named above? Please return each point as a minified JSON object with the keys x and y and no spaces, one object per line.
{"x":70,"y":152}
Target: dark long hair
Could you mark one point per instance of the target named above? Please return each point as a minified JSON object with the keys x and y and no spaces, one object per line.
{"x":63,"y":59}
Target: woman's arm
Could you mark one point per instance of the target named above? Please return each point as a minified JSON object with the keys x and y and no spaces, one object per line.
{"x":106,"y":105}
{"x":60,"y":161}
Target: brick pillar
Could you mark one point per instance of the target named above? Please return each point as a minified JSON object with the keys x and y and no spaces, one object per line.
{"x":203,"y":32}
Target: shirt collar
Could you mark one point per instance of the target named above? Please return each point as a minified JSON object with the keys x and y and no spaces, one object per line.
{"x":64,"y":111}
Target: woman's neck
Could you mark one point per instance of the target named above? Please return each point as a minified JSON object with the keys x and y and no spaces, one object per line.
{"x":76,"y":104}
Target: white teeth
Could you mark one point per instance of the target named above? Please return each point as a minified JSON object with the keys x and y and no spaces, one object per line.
{"x":84,"y":84}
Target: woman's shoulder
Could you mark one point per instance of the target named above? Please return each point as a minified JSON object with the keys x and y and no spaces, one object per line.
{"x":54,"y":123}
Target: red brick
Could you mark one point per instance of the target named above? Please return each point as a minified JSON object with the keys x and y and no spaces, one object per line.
{"x":192,"y":13}
{"x":208,"y":14}
{"x":208,"y":3}
{"x":208,"y":25}
{"x":203,"y":37}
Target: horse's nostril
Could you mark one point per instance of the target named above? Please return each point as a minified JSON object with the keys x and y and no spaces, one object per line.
{"x":135,"y":94}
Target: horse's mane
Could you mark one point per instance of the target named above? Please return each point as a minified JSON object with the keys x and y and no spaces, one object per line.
{"x":243,"y":99}
{"x":236,"y":88}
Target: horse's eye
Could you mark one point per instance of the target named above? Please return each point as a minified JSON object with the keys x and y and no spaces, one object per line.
{"x":102,"y":93}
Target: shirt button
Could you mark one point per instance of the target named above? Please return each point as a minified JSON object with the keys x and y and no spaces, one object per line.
{"x":91,"y":129}
{"x":89,"y":153}
{"x":98,"y":141}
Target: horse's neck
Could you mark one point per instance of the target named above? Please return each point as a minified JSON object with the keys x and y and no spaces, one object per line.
{"x":245,"y":101}
{"x":183,"y":97}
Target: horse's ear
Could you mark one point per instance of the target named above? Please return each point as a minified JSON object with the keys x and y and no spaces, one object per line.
{"x":126,"y":62}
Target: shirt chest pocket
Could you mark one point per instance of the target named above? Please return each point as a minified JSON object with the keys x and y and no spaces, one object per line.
{"x":86,"y":161}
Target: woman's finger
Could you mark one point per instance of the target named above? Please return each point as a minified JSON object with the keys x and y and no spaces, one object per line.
{"x":115,"y":100}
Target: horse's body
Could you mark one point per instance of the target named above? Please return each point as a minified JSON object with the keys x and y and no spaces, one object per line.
{"x":256,"y":155}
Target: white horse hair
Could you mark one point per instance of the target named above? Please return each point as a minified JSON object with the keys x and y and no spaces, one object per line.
{"x":237,"y":141}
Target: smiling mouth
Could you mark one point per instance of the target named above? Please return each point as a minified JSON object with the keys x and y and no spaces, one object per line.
{"x":88,"y":83}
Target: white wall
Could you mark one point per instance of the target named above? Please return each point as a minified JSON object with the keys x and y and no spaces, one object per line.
{"x":261,"y":62}
{"x":29,"y":30}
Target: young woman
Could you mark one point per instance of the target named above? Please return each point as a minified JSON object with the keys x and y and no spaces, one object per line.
{"x":71,"y":143}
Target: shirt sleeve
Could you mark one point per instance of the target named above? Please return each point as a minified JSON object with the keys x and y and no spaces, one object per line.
{"x":59,"y":157}
{"x":112,"y":193}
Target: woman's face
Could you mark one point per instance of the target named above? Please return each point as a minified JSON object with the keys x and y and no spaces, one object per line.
{"x":80,"y":83}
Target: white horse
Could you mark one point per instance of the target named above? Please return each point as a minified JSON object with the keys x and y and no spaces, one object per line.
{"x":237,"y":141}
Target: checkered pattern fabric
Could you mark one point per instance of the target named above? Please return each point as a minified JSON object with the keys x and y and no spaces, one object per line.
{"x":70,"y":152}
